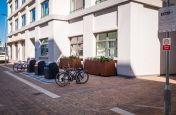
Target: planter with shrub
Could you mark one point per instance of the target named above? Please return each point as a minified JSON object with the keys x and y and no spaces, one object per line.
{"x":71,"y":61}
{"x":100,"y":66}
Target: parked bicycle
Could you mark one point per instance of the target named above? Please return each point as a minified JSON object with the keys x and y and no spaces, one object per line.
{"x":20,"y":66}
{"x":70,"y":74}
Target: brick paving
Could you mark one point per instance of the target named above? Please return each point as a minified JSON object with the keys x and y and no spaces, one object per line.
{"x":97,"y":97}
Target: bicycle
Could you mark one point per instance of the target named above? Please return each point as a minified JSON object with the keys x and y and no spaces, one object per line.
{"x":70,"y":74}
{"x":20,"y":66}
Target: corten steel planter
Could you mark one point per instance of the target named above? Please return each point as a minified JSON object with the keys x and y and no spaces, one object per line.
{"x":100,"y":68}
{"x":72,"y":63}
{"x":108,"y":68}
{"x":90,"y":67}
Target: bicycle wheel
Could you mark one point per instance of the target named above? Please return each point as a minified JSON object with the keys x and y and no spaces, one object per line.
{"x":15,"y":66}
{"x":82,"y":77}
{"x":24,"y":67}
{"x":62,"y":79}
{"x":19,"y":68}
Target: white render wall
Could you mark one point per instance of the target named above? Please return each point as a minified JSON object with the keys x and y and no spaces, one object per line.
{"x":136,"y":24}
{"x":61,"y":40}
{"x":60,"y":7}
{"x":145,"y":44}
{"x":75,"y":27}
{"x":124,"y":40}
{"x":138,"y":42}
{"x":89,"y":40}
{"x":106,"y":20}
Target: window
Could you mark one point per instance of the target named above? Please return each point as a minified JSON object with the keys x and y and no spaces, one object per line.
{"x":10,"y":27}
{"x":77,"y":5}
{"x":32,"y":13}
{"x":23,"y":1}
{"x":76,"y":46}
{"x":45,"y":8}
{"x":172,"y":3}
{"x":11,"y":10}
{"x":107,"y":44}
{"x":24,"y":20}
{"x":99,"y":1}
{"x":16,"y":4}
{"x":16,"y":24}
{"x":44,"y":47}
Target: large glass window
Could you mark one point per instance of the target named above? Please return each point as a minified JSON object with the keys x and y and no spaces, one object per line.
{"x":16,"y":24}
{"x":16,"y":4}
{"x":107,"y":44}
{"x":76,"y":46}
{"x":77,"y":5}
{"x":45,"y":8}
{"x":23,"y":20}
{"x":32,"y":13}
{"x":23,"y":1}
{"x":44,"y":47}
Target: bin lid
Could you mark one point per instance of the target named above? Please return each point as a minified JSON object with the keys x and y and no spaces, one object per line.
{"x":32,"y":60}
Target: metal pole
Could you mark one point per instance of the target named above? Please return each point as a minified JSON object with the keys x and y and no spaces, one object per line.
{"x":5,"y":41}
{"x":167,"y":89}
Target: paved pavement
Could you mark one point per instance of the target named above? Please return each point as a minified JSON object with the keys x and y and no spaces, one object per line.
{"x":101,"y":95}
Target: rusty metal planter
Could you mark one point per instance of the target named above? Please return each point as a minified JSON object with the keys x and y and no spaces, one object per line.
{"x":100,"y":68}
{"x":73,"y":63}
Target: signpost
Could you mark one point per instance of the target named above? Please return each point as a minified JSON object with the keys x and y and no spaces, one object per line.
{"x":167,"y":23}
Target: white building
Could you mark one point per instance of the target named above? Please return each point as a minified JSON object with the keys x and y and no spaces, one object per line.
{"x":124,"y":29}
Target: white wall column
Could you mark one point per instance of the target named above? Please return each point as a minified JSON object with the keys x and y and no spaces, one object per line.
{"x":23,"y":50}
{"x":93,"y":2}
{"x":51,"y":42}
{"x":19,"y":3}
{"x":38,"y":10}
{"x":13,"y":23}
{"x":89,"y":40}
{"x":51,"y":7}
{"x":13,"y":52}
{"x":37,"y":43}
{"x":138,"y":43}
{"x":13,"y":6}
{"x":27,"y":45}
{"x":145,"y":44}
{"x":27,"y":15}
{"x":19,"y":20}
{"x":9,"y":46}
{"x":89,"y":3}
{"x":124,"y":40}
{"x":61,"y":41}
{"x":19,"y":51}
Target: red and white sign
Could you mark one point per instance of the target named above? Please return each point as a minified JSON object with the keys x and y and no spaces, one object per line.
{"x":167,"y":44}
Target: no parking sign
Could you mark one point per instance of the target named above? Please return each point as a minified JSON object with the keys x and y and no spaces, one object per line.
{"x":167,"y":44}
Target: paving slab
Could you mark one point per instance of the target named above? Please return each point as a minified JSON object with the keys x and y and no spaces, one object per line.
{"x":140,"y":96}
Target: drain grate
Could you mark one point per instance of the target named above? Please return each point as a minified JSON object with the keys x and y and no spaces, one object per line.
{"x":38,"y":93}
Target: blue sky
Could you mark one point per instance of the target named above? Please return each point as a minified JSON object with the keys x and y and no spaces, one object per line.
{"x":3,"y":10}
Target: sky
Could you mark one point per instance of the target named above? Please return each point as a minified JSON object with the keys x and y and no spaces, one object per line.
{"x":3,"y":10}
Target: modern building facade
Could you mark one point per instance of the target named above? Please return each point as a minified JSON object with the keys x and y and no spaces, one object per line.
{"x":126,"y":30}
